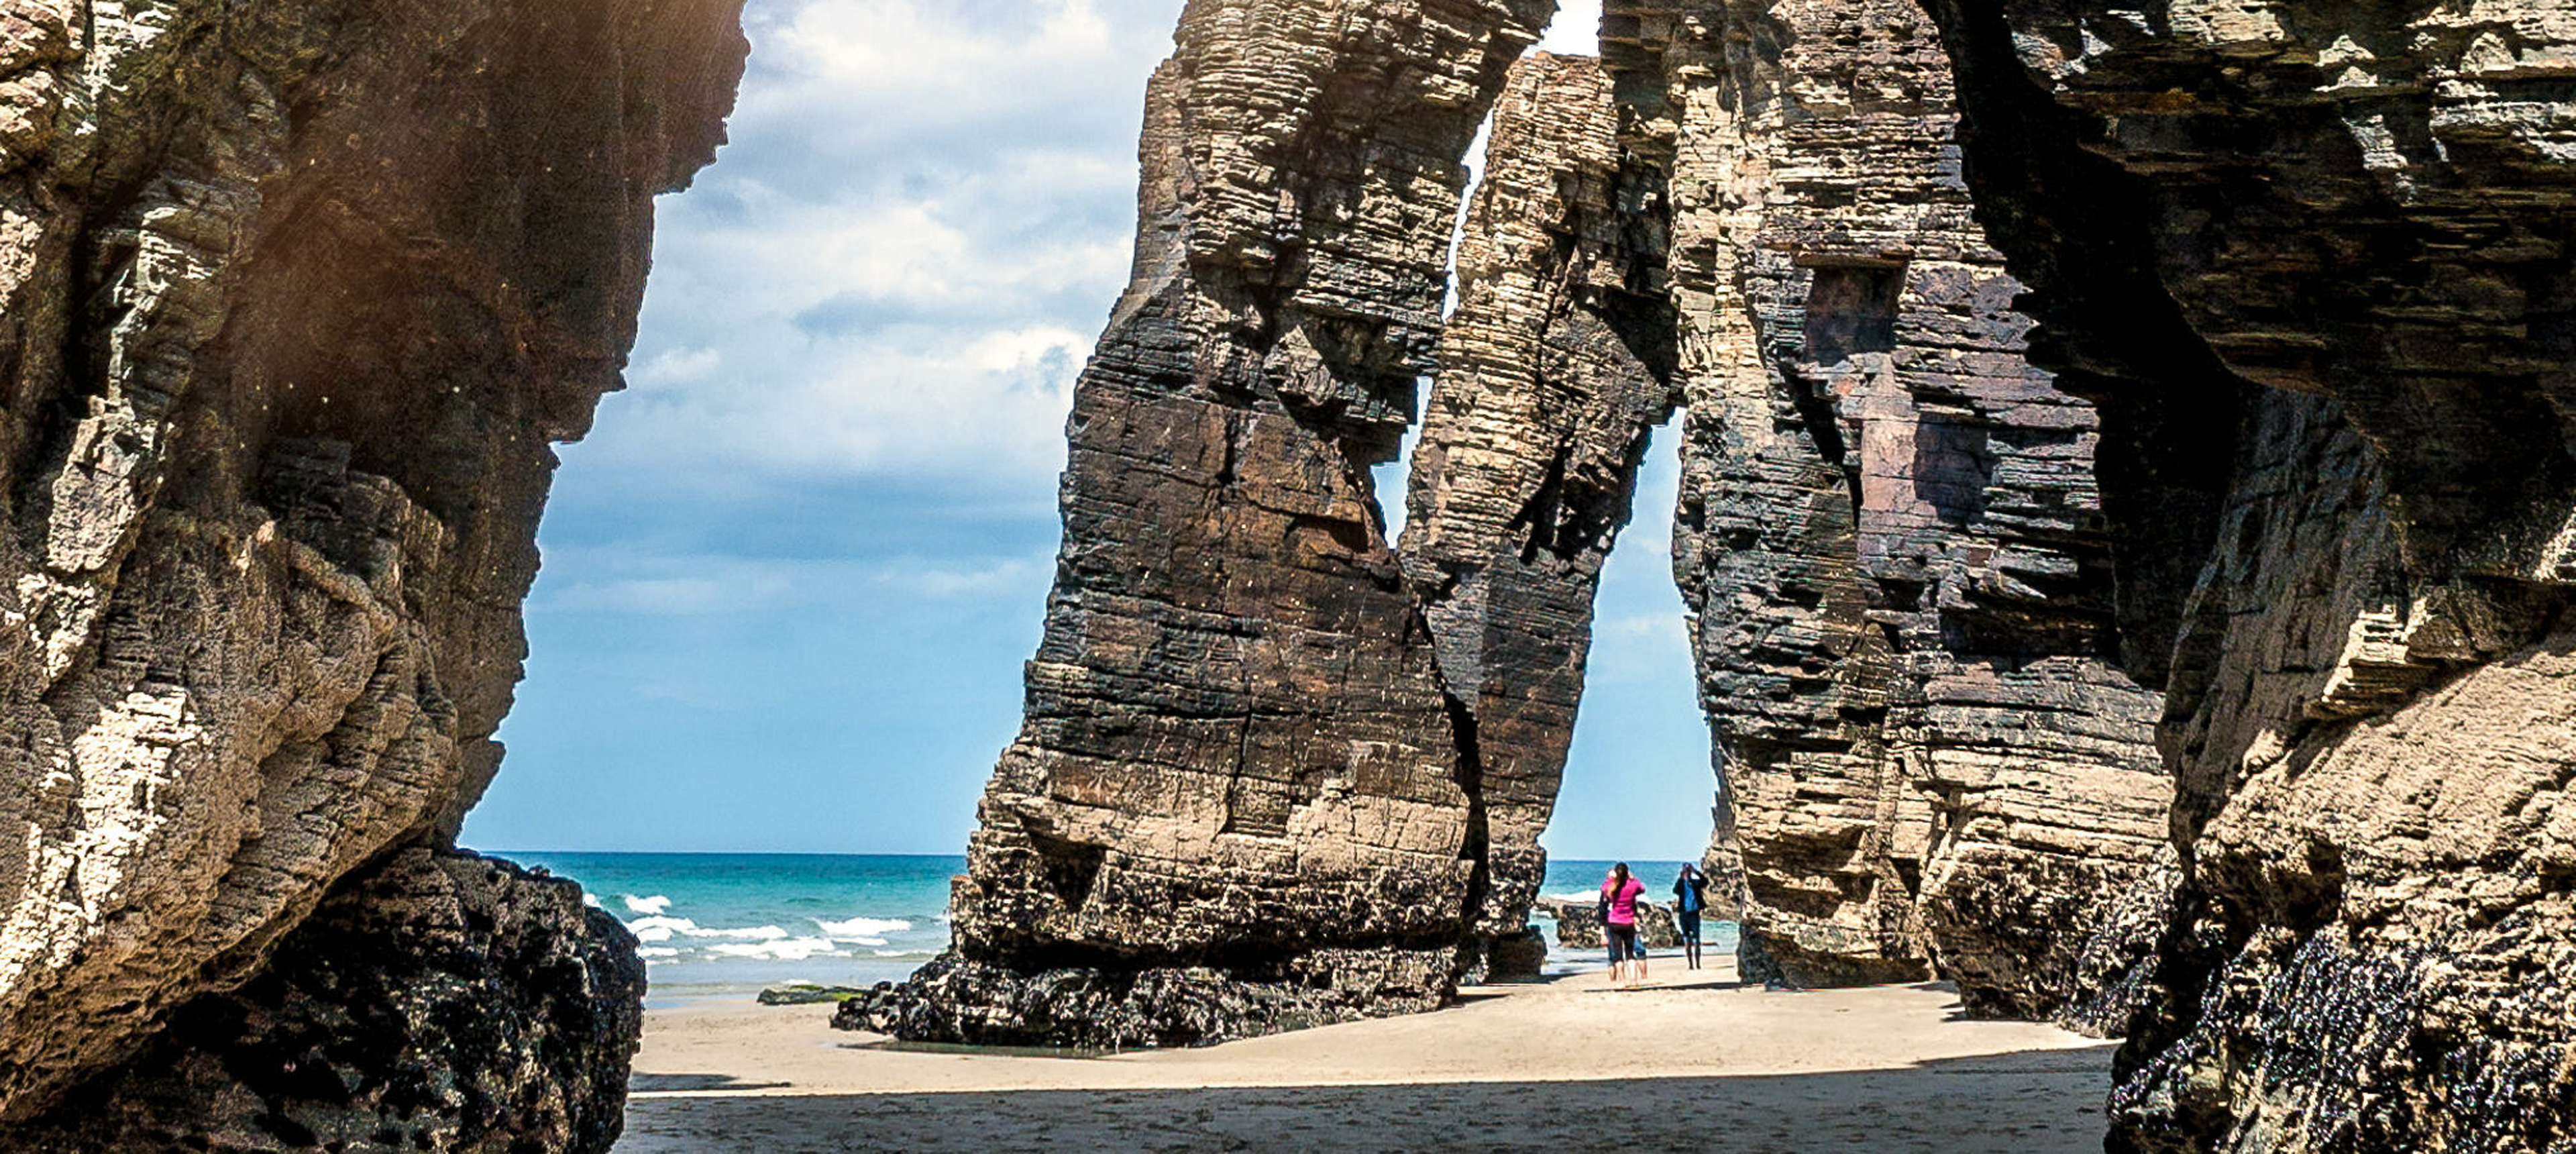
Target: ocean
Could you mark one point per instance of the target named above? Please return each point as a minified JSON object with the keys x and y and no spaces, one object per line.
{"x":720,"y":926}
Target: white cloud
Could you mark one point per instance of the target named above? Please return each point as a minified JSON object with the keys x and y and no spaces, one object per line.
{"x":898,"y":265}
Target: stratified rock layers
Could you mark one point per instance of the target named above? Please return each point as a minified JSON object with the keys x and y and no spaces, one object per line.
{"x":1554,"y":370}
{"x":2366,"y":210}
{"x":1246,"y":794}
{"x":1889,"y":535}
{"x":1238,"y":784}
{"x":293,"y":300}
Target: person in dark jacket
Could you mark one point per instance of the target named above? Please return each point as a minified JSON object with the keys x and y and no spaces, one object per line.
{"x":1690,"y":896}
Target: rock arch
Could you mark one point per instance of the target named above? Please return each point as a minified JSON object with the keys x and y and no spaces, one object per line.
{"x":1307,"y":768}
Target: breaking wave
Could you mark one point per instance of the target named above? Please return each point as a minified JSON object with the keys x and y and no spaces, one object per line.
{"x":783,"y":949}
{"x":860,"y":929}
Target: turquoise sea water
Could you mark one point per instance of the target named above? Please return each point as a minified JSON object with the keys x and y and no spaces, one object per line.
{"x":721,"y":926}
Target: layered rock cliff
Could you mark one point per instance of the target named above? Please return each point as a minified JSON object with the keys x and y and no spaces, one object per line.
{"x":1554,"y":370}
{"x":1267,"y":778}
{"x":293,"y":300}
{"x":2316,"y":258}
{"x":1239,"y":801}
{"x":1890,"y":535}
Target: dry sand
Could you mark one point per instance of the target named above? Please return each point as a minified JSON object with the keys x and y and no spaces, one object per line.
{"x":1696,"y":1063}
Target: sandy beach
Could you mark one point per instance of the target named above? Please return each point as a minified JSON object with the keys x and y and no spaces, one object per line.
{"x":1694,"y":1062}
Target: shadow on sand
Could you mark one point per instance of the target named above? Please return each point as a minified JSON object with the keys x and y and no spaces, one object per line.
{"x":2036,"y":1102}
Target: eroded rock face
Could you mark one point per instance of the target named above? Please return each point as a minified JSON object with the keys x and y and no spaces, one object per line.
{"x":293,"y":300}
{"x":1238,"y":754}
{"x":1890,"y":535}
{"x":1554,"y":370}
{"x":1239,"y":766}
{"x":2364,"y":211}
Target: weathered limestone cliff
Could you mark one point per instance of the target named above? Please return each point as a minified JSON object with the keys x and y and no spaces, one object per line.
{"x":1238,"y":800}
{"x":1269,"y":778}
{"x":1889,"y":536}
{"x":293,"y":300}
{"x":2284,"y":463}
{"x":2363,"y":210}
{"x":1554,"y":370}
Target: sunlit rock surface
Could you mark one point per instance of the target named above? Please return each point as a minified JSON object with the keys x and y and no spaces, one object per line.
{"x":2315,"y":259}
{"x":293,"y":301}
{"x":1254,"y":743}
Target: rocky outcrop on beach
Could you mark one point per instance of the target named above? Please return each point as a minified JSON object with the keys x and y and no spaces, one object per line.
{"x":1579,"y":926}
{"x":2125,"y":522}
{"x":1890,"y":531}
{"x":293,"y":302}
{"x":1256,"y":734}
{"x":807,"y":994}
{"x":1515,"y":957}
{"x":2316,"y":259}
{"x":1239,"y":781}
{"x":434,"y":1002}
{"x":957,"y":999}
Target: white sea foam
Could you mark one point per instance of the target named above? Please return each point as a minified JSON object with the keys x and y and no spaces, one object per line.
{"x":658,"y":952}
{"x":784,"y":949}
{"x":655,"y":905}
{"x":752,"y":933}
{"x":862,"y":929}
{"x":591,"y":900}
{"x":660,"y":929}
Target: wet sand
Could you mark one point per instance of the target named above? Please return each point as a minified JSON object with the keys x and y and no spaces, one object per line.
{"x":1696,"y":1062}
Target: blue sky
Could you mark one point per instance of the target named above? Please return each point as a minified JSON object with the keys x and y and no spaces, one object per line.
{"x":792,"y":575}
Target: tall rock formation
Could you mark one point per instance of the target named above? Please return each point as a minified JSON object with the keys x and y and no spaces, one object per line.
{"x":1554,"y":370}
{"x":1890,"y":535}
{"x":1267,"y":778}
{"x":1237,"y":802}
{"x":293,"y":300}
{"x":2364,"y":211}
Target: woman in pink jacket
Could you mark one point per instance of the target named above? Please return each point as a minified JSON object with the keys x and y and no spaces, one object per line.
{"x":1619,"y":894}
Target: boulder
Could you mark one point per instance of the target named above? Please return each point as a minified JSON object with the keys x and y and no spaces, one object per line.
{"x":1579,"y":926}
{"x":807,"y":994}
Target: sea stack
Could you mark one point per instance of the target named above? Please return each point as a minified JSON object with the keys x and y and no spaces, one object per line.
{"x":2128,"y":520}
{"x":1238,"y":801}
{"x":1276,"y":771}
